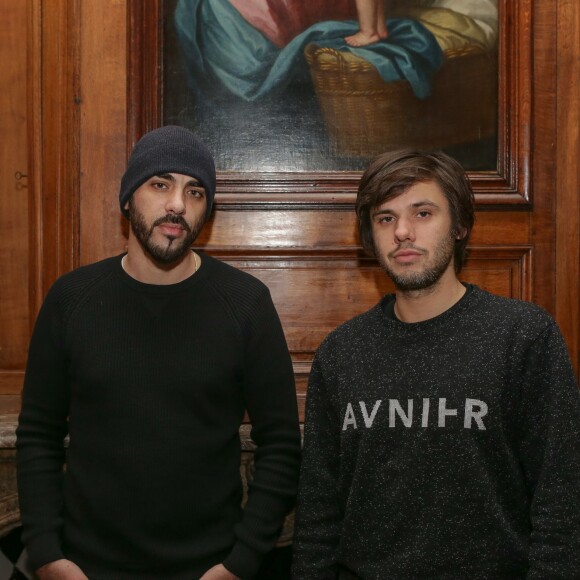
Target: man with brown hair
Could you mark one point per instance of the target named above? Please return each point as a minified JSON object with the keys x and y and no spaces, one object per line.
{"x":442,"y":426}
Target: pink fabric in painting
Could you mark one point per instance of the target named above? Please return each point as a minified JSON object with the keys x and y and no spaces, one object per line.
{"x":281,"y":20}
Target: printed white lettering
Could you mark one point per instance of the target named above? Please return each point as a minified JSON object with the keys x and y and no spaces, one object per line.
{"x":444,"y":412}
{"x":368,"y":420}
{"x":474,"y":411}
{"x":349,"y":418}
{"x":476,"y":415}
{"x":395,"y":407}
{"x":425,"y":415}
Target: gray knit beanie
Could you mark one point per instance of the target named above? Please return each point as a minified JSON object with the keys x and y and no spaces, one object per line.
{"x":169,"y":149}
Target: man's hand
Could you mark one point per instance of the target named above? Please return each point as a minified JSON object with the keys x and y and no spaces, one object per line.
{"x":219,"y":572}
{"x":61,"y":570}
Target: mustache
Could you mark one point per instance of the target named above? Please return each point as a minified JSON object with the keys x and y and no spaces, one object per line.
{"x":172,"y":219}
{"x":406,"y":247}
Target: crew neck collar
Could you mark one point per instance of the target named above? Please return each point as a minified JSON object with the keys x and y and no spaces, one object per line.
{"x":196,"y":277}
{"x":387,"y":307}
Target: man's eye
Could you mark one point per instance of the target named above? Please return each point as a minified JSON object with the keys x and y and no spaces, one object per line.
{"x":386,"y":219}
{"x":424,"y":213}
{"x":197,"y":192}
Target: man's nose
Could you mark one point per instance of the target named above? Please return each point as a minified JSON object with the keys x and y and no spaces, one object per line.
{"x":175,"y":202}
{"x":404,"y":231}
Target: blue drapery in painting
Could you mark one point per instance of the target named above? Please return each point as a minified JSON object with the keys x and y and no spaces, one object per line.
{"x":218,"y":44}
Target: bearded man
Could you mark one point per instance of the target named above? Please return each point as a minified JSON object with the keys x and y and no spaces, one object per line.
{"x":442,"y":431}
{"x":147,"y":362}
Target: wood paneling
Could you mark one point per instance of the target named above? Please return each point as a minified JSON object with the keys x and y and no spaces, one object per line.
{"x":55,"y":47}
{"x":567,"y":234}
{"x":270,"y":228}
{"x":103,"y":133}
{"x":14,"y":192}
{"x":95,"y":84}
{"x":39,"y":218}
{"x":315,"y":291}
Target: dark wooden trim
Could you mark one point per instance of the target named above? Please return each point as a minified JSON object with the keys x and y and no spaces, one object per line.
{"x":515,"y":103}
{"x":144,"y":65}
{"x":568,"y":177}
{"x":34,"y":107}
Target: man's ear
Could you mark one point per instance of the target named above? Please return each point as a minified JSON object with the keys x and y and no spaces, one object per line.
{"x":459,"y":235}
{"x":126,"y":206}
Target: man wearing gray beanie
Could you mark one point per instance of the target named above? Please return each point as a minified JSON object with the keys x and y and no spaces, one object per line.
{"x":148,"y":362}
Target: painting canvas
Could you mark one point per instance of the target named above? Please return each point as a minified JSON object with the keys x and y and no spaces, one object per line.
{"x":272,"y":85}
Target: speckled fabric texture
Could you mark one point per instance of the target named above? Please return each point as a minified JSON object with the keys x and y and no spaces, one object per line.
{"x":448,"y":448}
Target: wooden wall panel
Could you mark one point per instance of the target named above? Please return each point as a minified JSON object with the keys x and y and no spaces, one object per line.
{"x":269,"y":229}
{"x":315,"y":294}
{"x":544,"y":169}
{"x":14,"y":206}
{"x":42,"y":124}
{"x":94,"y":85}
{"x":55,"y":139}
{"x":316,"y":291}
{"x":314,"y":229}
{"x":567,"y":268}
{"x":103,"y":133}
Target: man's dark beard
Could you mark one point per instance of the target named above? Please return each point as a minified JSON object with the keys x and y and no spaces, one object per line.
{"x":174,"y":250}
{"x":428,"y":277}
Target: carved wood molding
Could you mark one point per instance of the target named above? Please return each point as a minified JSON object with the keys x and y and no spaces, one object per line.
{"x":516,"y":261}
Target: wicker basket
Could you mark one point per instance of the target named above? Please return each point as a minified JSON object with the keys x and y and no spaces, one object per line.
{"x":366,"y":116}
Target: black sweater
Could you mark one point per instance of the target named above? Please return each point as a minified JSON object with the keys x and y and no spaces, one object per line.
{"x":445,"y":449}
{"x":151,"y":384}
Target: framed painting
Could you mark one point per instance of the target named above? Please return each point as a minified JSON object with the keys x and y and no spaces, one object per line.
{"x":293,"y":113}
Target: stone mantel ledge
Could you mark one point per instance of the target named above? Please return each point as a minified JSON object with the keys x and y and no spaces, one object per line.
{"x":9,"y":511}
{"x":8,"y":424}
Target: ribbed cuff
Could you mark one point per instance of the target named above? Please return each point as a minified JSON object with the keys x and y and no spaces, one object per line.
{"x":44,"y":549}
{"x":243,"y":561}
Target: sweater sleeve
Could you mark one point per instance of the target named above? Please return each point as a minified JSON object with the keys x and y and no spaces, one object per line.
{"x":40,"y":438}
{"x":550,"y":455}
{"x":270,"y":399}
{"x":318,"y":517}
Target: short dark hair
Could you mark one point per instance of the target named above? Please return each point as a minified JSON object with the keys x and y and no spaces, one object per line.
{"x":391,"y":174}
